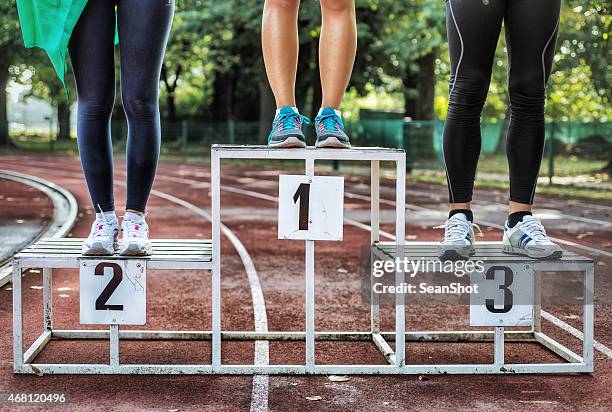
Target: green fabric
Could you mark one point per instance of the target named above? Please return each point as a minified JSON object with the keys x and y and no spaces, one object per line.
{"x":48,"y":24}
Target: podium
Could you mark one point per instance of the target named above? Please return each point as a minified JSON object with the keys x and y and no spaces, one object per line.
{"x":491,"y":253}
{"x":207,"y":255}
{"x":65,"y":253}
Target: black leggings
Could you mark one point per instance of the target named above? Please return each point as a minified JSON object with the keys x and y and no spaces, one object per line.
{"x":473,"y":31}
{"x":143,"y":33}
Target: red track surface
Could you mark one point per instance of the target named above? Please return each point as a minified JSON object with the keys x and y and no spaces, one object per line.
{"x":180,"y":301}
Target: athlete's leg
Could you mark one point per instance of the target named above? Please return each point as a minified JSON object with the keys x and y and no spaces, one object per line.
{"x":531,"y":29}
{"x":473,"y":30}
{"x":279,"y":41}
{"x":143,"y":34}
{"x":337,"y":48}
{"x":92,"y":56}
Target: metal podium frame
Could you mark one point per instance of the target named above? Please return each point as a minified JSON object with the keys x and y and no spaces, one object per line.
{"x":206,"y":255}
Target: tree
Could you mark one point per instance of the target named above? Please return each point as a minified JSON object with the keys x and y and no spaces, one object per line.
{"x":38,"y":73}
{"x":10,"y":48}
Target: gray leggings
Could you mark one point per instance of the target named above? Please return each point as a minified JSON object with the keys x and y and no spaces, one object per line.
{"x":143,"y":33}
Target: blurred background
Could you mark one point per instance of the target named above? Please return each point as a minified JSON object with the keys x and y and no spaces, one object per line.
{"x":214,"y":89}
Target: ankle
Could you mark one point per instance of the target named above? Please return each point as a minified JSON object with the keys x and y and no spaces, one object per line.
{"x":291,"y":106}
{"x":467,"y":212}
{"x":336,"y":110}
{"x":516,"y":217}
{"x":133,"y":216}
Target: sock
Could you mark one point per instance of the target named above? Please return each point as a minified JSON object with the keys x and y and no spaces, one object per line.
{"x":295,"y":109}
{"x":134,"y":217}
{"x":514,"y":218}
{"x":110,"y":216}
{"x":338,"y":112}
{"x":467,"y":212}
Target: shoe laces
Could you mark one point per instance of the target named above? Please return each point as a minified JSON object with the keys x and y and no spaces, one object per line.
{"x":330,"y":121}
{"x":133,"y":229}
{"x":288,"y":121}
{"x":101,"y":226}
{"x":455,"y":229}
{"x":534,"y":228}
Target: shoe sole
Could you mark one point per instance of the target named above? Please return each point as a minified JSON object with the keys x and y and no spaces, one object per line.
{"x":136,"y":250}
{"x":97,"y":249}
{"x":456,"y":254}
{"x":332,"y":141}
{"x":291,"y":141}
{"x":509,"y":250}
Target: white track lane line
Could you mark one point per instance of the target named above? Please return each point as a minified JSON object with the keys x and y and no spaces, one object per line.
{"x":259,"y":393}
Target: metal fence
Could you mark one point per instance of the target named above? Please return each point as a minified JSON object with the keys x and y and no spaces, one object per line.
{"x":572,"y":148}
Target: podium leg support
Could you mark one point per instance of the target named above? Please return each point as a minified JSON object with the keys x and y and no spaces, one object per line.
{"x":374,"y":238}
{"x":17,"y":318}
{"x":47,"y":300}
{"x":588,"y":316}
{"x":216,"y":256}
{"x":400,"y":241}
{"x":499,"y":346}
{"x":310,"y":290}
{"x":114,"y":346}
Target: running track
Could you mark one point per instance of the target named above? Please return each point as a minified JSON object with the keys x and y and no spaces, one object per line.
{"x":249,"y":193}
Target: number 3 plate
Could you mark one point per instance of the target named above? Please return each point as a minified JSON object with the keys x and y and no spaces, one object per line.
{"x":310,"y":208}
{"x":113,"y":292}
{"x":505,"y":296}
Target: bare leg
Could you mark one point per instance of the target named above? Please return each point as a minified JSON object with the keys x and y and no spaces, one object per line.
{"x":337,"y":49}
{"x":460,"y":206}
{"x":519,"y":207}
{"x":279,"y":41}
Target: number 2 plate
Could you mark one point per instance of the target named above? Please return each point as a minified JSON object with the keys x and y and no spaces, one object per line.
{"x":505,"y":296}
{"x":113,"y":292}
{"x":310,"y":208}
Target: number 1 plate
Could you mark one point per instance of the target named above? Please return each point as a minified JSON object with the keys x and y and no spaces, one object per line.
{"x":504,"y":297}
{"x":113,"y":292}
{"x":310,"y":208}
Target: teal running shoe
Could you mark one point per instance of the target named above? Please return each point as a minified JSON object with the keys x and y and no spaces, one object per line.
{"x":330,"y":130}
{"x":287,"y":129}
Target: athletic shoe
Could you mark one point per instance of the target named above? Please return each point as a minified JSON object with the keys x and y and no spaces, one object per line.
{"x":458,"y":241}
{"x":330,"y":129}
{"x":287,"y":129}
{"x":528,"y":238}
{"x":102,"y":239}
{"x":135,"y":238}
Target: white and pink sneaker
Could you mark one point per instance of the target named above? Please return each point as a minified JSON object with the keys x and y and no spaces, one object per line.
{"x":135,"y":236}
{"x":102,"y":240}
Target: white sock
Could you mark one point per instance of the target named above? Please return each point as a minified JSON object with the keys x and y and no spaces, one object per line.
{"x":110,"y":216}
{"x":338,"y":112}
{"x":134,"y":217}
{"x":295,"y":109}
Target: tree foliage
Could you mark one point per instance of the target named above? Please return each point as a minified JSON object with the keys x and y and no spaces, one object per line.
{"x":214,"y":70}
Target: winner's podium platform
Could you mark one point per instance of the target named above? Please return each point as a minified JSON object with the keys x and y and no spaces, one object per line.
{"x":310,"y":209}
